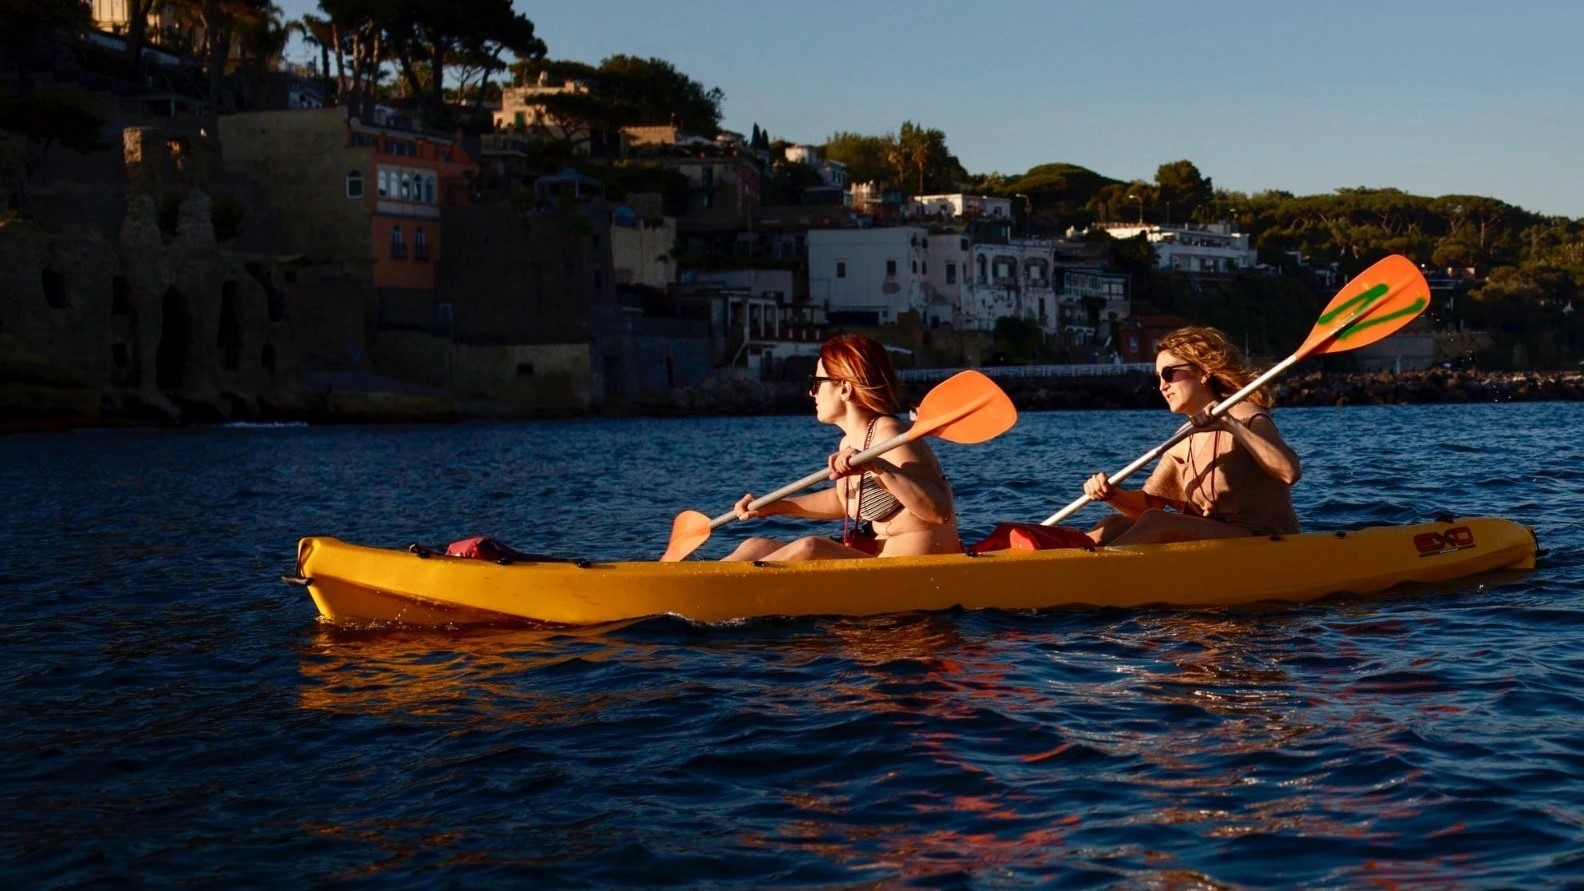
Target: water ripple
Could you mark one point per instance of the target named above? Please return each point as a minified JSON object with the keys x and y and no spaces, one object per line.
{"x":176,"y":716}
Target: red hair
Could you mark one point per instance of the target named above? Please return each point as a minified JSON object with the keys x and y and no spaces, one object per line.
{"x":864,"y":363}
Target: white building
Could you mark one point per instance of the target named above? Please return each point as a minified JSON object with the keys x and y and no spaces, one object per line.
{"x":948,"y":257}
{"x":961,"y":205}
{"x":1014,"y":279}
{"x":868,"y":276}
{"x":1214,"y":249}
{"x":1090,"y":299}
{"x":832,"y":173}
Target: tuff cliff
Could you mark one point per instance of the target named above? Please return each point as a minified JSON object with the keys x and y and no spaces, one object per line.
{"x":148,"y":323}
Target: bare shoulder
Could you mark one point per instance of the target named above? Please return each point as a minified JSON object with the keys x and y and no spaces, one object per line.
{"x":1248,"y":411}
{"x":888,"y":426}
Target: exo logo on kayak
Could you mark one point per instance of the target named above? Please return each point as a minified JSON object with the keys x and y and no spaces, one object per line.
{"x":1455,"y":539}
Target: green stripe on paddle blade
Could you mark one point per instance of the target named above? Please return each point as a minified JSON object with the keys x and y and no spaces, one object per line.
{"x":1378,"y":302}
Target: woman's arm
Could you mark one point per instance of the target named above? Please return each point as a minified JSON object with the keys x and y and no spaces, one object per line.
{"x":911,"y":473}
{"x":825,"y":504}
{"x":1260,"y":438}
{"x":1129,"y":502}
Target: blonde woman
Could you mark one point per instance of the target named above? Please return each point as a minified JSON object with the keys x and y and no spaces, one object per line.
{"x":1232,"y":477}
{"x":893,"y":505}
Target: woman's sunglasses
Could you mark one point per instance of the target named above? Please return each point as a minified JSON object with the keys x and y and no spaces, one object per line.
{"x":1169,"y":373}
{"x":814,"y":382}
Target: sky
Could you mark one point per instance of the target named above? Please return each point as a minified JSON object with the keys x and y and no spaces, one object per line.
{"x":1434,"y":98}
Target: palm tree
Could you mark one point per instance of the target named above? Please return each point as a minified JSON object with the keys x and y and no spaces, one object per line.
{"x":261,"y":37}
{"x":320,"y":32}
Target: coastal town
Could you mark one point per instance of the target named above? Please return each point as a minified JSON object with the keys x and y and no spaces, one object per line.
{"x":284,"y":247}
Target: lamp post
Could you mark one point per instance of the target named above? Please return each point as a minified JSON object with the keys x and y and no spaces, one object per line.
{"x":1141,"y":207}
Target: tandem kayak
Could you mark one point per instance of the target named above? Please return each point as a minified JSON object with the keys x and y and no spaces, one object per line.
{"x":358,"y":585}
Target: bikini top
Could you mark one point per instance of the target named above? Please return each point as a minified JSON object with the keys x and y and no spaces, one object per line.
{"x":875,"y":504}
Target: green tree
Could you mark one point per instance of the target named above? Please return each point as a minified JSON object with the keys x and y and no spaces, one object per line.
{"x":425,"y":37}
{"x":1063,"y":194}
{"x":623,"y":91}
{"x":1182,"y":189}
{"x":864,"y":156}
{"x":652,"y":91}
{"x":358,"y":44}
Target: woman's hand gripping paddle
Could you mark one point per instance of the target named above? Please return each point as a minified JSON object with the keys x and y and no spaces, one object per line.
{"x":1378,"y":302}
{"x":966,"y":407}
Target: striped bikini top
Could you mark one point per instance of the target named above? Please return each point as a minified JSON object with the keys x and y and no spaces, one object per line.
{"x":875,"y":504}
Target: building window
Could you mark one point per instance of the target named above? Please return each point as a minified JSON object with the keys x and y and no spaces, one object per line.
{"x":951,"y":273}
{"x":420,"y":245}
{"x":354,"y":184}
{"x":384,"y":183}
{"x":890,"y":269}
{"x":841,"y":269}
{"x":406,"y":186}
{"x":429,"y":189}
{"x":520,"y":118}
{"x":398,"y":248}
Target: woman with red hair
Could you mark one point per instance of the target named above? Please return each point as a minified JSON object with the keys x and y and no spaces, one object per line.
{"x":896,"y":504}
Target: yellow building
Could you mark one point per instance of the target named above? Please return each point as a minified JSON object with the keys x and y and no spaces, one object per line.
{"x":523,"y":110}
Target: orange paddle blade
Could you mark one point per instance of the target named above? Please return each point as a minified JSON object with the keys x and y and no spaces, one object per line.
{"x":689,"y":530}
{"x":1376,"y":303}
{"x":967,"y":407}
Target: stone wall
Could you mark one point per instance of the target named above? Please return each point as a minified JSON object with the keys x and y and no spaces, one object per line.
{"x":158,"y":324}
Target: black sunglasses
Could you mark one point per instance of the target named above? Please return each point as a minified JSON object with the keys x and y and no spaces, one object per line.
{"x":1169,"y":373}
{"x":814,"y":382}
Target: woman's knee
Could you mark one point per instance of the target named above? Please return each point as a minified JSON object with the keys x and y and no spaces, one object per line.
{"x":754,"y":548}
{"x":1109,"y":528}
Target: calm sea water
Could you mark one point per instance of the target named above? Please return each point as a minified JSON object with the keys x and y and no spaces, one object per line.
{"x":172,"y":714}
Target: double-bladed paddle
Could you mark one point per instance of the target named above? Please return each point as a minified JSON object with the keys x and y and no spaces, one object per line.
{"x":966,"y":407}
{"x":1378,"y":302}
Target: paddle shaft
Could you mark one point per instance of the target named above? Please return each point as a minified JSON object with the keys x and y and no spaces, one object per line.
{"x":1182,"y":433}
{"x":792,"y":488}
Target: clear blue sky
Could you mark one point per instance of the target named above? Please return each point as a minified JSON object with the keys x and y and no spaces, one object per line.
{"x":1434,"y":98}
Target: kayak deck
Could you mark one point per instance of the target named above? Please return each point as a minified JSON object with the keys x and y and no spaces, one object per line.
{"x":351,"y":584}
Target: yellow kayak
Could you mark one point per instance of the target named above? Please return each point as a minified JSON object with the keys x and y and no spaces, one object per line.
{"x":358,"y":585}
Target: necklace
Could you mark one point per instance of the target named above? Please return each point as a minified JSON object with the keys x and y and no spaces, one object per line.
{"x":1199,"y":481}
{"x":863,"y":526}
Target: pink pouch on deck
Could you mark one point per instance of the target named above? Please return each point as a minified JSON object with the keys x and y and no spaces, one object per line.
{"x":479,"y":547}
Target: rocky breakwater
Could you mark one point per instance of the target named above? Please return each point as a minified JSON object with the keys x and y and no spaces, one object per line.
{"x":1434,"y":385}
{"x":1315,"y":388}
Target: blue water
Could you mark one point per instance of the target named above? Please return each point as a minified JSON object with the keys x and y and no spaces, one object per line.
{"x":172,"y":714}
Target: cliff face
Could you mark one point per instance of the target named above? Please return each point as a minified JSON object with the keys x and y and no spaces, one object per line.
{"x":150,"y":325}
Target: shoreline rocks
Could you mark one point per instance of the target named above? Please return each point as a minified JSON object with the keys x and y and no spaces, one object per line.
{"x":42,"y":399}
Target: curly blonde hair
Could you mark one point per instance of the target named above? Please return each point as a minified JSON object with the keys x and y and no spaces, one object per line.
{"x":1210,"y":349}
{"x":864,"y":363}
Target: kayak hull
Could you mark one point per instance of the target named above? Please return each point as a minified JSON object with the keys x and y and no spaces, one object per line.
{"x":356,"y":585}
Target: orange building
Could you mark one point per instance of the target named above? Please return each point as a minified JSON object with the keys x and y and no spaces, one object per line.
{"x":416,"y":174}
